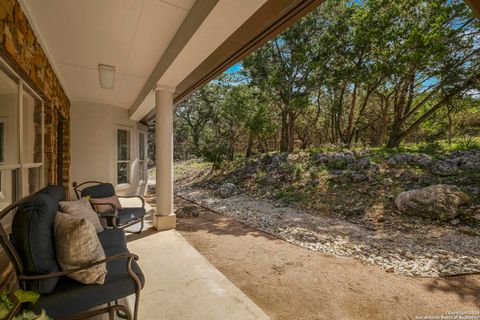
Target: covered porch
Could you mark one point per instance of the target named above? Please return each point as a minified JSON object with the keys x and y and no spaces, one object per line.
{"x":80,"y":84}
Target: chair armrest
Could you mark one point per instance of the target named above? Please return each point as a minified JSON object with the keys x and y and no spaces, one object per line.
{"x":129,"y":256}
{"x":129,"y":197}
{"x":111,"y":205}
{"x":113,"y":214}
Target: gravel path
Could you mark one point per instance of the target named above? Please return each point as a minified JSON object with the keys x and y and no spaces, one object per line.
{"x":424,"y":251}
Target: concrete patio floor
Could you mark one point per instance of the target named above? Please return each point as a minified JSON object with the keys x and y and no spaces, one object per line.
{"x":182,"y":284}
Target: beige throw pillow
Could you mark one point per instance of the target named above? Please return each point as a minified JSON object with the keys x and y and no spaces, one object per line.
{"x":81,"y":209}
{"x":76,"y":245}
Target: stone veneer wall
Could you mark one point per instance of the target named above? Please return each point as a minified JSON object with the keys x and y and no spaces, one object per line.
{"x":21,"y":49}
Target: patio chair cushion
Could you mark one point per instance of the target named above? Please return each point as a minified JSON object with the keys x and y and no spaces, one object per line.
{"x":101,"y":190}
{"x":32,"y":237}
{"x":112,"y":238}
{"x":56,"y":192}
{"x":127,"y":215}
{"x":71,"y":296}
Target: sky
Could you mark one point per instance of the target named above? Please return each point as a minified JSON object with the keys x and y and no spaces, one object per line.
{"x":234,"y":68}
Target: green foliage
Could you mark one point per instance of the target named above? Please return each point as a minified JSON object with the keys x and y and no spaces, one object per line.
{"x":30,"y":315}
{"x":467,"y":143}
{"x":397,"y":75}
{"x":298,"y":172}
{"x":291,"y":195}
{"x":6,"y":305}
{"x":26,"y":296}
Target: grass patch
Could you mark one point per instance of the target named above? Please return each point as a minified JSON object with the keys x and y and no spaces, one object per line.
{"x":433,"y":149}
{"x":291,"y":195}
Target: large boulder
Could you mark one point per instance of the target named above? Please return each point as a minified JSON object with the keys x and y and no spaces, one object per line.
{"x":439,"y":202}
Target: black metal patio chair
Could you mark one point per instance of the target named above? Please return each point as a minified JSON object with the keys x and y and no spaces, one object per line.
{"x":31,"y":250}
{"x":120,"y":217}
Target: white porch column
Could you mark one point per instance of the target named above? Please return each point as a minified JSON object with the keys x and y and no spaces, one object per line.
{"x":164,"y":217}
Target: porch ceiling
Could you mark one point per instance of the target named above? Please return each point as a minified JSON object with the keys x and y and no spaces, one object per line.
{"x":134,"y":36}
{"x":131,"y":35}
{"x":180,"y":44}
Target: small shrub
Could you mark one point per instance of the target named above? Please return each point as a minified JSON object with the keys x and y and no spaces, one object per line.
{"x":432,"y":147}
{"x":338,"y":164}
{"x":467,"y":143}
{"x":298,"y":171}
{"x":291,"y":195}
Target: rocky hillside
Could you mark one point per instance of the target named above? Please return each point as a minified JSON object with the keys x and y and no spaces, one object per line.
{"x":361,"y":186}
{"x":409,"y":213}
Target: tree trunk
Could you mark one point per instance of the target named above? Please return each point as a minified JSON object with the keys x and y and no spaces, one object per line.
{"x":384,"y":105}
{"x":248,"y":152}
{"x":396,"y":139}
{"x":196,"y":141}
{"x":339,"y":113}
{"x":291,"y":131}
{"x":284,"y":134}
{"x":349,"y":133}
{"x":450,"y":121}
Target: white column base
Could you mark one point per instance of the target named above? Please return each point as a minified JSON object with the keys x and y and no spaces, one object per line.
{"x":162,"y":223}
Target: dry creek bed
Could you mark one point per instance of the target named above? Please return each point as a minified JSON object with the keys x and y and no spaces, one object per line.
{"x":424,"y":251}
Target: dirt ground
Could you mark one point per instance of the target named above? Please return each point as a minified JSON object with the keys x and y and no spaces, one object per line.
{"x":292,"y":283}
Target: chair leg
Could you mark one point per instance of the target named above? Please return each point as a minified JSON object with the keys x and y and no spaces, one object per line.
{"x":135,"y":309}
{"x":138,"y":287}
{"x":142,"y":223}
{"x":121,"y":313}
{"x":141,"y":226}
{"x":110,"y":312}
{"x":125,"y":313}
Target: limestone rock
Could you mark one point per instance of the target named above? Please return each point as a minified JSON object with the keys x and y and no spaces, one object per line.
{"x":362,"y":164}
{"x":420,"y":159}
{"x":387,"y":181}
{"x":187,"y":212}
{"x":455,"y":221}
{"x":439,"y":202}
{"x":151,"y":188}
{"x":226,"y":190}
{"x":444,"y":169}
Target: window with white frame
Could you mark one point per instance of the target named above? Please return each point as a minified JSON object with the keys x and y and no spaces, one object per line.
{"x":123,"y":156}
{"x":21,"y":142}
{"x":142,"y":157}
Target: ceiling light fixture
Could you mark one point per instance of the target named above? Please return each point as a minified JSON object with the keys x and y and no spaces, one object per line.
{"x":107,"y":76}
